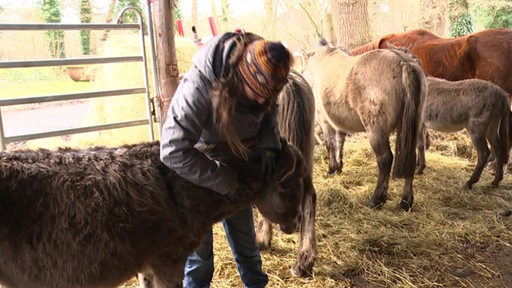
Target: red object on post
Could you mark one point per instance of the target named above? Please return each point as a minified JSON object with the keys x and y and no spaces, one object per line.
{"x":179,"y":25}
{"x":213,"y":27}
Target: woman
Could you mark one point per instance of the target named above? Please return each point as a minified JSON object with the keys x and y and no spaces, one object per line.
{"x":222,"y":115}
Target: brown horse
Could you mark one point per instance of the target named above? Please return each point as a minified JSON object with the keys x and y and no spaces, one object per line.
{"x":378,"y":92}
{"x":483,"y":55}
{"x":481,"y":107}
{"x":296,"y":118}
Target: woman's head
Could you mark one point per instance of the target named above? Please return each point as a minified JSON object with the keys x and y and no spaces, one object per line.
{"x":257,"y":69}
{"x":264,"y":69}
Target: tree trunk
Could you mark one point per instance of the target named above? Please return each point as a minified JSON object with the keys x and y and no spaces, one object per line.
{"x":270,"y":19}
{"x":109,"y":18}
{"x":433,"y":16}
{"x":350,"y":19}
{"x":194,"y":13}
{"x":167,"y":65}
{"x":329,"y":28}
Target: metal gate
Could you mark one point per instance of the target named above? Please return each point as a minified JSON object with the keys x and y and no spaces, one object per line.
{"x":150,"y":107}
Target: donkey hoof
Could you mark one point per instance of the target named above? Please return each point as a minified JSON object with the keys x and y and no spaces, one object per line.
{"x":405,"y":205}
{"x":263,"y":246}
{"x":377,"y":203}
{"x":468,"y":185}
{"x":298,"y":273}
{"x":335,"y":170}
{"x":299,"y":270}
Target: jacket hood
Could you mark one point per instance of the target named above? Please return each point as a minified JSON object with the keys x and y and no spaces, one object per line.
{"x":211,"y":58}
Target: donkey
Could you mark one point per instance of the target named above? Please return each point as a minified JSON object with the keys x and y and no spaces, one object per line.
{"x":96,"y":217}
{"x":378,"y":92}
{"x":479,"y":106}
{"x":296,"y":114}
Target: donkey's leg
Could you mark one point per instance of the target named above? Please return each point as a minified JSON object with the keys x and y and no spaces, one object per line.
{"x":146,"y":279}
{"x":307,"y":250}
{"x":380,"y":144}
{"x":263,"y":232}
{"x":168,"y":271}
{"x":333,"y":145}
{"x":422,"y":142}
{"x":477,"y":135}
{"x":340,"y":139}
{"x":499,"y":161}
{"x":407,"y":195}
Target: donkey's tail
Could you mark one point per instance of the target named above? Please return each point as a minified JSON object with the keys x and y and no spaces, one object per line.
{"x":415,"y":85}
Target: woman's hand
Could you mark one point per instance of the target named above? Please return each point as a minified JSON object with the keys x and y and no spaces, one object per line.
{"x":243,"y":188}
{"x":268,"y":163}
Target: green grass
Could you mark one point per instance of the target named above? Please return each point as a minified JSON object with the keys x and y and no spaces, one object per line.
{"x":45,"y":81}
{"x":29,"y":82}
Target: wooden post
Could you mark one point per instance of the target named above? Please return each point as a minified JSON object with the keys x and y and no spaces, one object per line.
{"x":167,"y":62}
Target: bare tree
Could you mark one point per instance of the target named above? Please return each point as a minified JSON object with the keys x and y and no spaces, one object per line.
{"x":194,"y":13}
{"x":433,"y":16}
{"x":317,"y":21}
{"x":350,"y":19}
{"x":270,"y":18}
{"x":109,"y":18}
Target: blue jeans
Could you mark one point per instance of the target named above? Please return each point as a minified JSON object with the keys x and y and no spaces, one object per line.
{"x":242,"y":240}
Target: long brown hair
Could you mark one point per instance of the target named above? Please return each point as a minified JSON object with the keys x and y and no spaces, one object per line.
{"x":225,"y":92}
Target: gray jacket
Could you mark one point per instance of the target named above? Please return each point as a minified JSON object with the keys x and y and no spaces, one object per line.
{"x":190,"y":122}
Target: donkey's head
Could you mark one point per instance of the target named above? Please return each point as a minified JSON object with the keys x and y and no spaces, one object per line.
{"x":281,"y":200}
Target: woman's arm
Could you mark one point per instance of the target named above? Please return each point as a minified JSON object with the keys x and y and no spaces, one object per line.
{"x":189,"y":111}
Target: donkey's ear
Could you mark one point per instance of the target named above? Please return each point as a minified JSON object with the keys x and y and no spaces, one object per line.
{"x":323,"y":42}
{"x":290,"y":163}
{"x":285,"y":161}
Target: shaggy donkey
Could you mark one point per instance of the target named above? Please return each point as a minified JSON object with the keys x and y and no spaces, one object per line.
{"x":296,"y":120}
{"x":94,"y":218}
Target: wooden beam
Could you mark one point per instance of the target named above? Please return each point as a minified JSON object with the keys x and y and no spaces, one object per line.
{"x":167,"y":62}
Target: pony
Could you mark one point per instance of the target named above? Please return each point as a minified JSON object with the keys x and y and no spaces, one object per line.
{"x":95,"y":217}
{"x":378,"y":92}
{"x":296,"y":120}
{"x":479,"y":106}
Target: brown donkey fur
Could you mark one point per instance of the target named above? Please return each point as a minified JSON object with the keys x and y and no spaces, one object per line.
{"x":96,"y":217}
